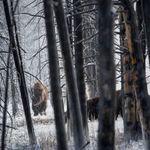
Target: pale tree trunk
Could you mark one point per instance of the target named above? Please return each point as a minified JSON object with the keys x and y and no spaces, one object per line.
{"x":4,"y":120}
{"x":90,"y":51}
{"x":54,"y":74}
{"x":107,"y":77}
{"x":75,"y":109}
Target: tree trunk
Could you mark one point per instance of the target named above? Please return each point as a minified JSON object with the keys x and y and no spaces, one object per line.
{"x":146,"y":12}
{"x":139,"y":81}
{"x":54,"y":74}
{"x":141,"y":29}
{"x":129,"y":102}
{"x":107,"y":77}
{"x":70,"y":76}
{"x":21,"y":78}
{"x":13,"y":92}
{"x":79,"y":66}
{"x":3,"y":136}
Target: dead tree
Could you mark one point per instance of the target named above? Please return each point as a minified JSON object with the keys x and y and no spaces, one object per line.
{"x":3,"y":142}
{"x":70,"y":75}
{"x":107,"y":76}
{"x":139,"y":80}
{"x":146,"y":11}
{"x":79,"y":64}
{"x":129,"y":102}
{"x":54,"y":74}
{"x":141,"y":28}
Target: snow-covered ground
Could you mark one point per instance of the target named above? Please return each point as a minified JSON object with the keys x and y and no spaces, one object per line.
{"x":44,"y":127}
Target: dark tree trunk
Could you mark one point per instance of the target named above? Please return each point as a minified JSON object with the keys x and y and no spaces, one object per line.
{"x":54,"y":74}
{"x":107,"y":77}
{"x":21,"y":78}
{"x":70,"y":76}
{"x":79,"y":65}
{"x":70,"y":28}
{"x":141,"y":29}
{"x":146,"y":14}
{"x":13,"y":92}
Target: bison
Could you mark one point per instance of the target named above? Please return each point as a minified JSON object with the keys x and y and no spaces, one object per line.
{"x":39,"y":96}
{"x":92,"y":106}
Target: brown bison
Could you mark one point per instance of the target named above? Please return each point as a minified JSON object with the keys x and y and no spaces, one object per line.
{"x":92,"y":106}
{"x":39,"y":96}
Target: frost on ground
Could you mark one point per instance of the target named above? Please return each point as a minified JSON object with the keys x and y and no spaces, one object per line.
{"x":17,"y":139}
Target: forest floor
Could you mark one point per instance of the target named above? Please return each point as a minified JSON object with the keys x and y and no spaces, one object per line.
{"x":44,"y":127}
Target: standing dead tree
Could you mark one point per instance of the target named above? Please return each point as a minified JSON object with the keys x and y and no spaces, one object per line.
{"x":75,"y":110}
{"x":79,"y":64}
{"x":55,"y":83}
{"x":107,"y":76}
{"x":146,"y":11}
{"x":138,"y":69}
{"x":129,"y":102}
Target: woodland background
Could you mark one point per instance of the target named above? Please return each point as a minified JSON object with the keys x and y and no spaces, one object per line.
{"x":79,"y":49}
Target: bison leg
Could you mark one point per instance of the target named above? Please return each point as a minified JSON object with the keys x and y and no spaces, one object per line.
{"x":43,"y":107}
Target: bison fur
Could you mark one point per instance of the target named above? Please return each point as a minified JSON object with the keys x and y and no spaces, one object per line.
{"x":92,"y":106}
{"x":39,"y":98}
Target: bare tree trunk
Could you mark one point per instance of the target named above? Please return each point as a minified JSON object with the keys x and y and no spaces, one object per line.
{"x":146,"y":12}
{"x":79,"y":66}
{"x":3,"y":142}
{"x":107,"y":77}
{"x":54,"y":74}
{"x":141,"y":28}
{"x":21,"y":78}
{"x":129,"y":111}
{"x":13,"y":92}
{"x":139,"y":81}
{"x":70,"y":76}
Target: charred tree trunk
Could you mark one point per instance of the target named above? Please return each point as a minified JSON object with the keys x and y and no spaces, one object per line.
{"x":129,"y":103}
{"x":139,"y":81}
{"x":107,"y":77}
{"x":54,"y":74}
{"x":20,"y":73}
{"x":70,"y":76}
{"x":79,"y":65}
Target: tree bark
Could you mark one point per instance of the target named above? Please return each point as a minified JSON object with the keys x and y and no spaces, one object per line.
{"x":107,"y":77}
{"x":129,"y":102}
{"x":54,"y":74}
{"x":3,"y":136}
{"x":139,"y":81}
{"x":70,"y":76}
{"x":141,"y":28}
{"x":146,"y":12}
{"x":79,"y":66}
